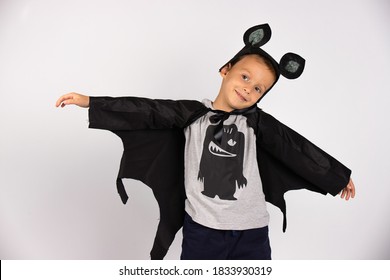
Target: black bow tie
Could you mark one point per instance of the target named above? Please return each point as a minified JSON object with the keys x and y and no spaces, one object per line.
{"x":221,"y":116}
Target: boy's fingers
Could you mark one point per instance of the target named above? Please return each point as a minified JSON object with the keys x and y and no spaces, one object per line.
{"x":353,"y":190}
{"x":349,"y":191}
{"x":65,"y":100}
{"x":347,"y":195}
{"x":60,"y":100}
{"x":343,"y":194}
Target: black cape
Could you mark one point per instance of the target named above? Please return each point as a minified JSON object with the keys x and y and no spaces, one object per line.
{"x":153,"y":141}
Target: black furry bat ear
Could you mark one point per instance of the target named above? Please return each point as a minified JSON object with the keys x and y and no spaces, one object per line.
{"x":291,"y":65}
{"x":258,"y":35}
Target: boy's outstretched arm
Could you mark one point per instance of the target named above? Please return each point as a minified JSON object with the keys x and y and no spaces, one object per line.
{"x":73,"y":98}
{"x":348,"y":191}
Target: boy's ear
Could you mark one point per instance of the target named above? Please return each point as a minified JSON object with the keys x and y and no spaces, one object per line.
{"x":291,"y":65}
{"x":258,"y":35}
{"x":225,"y":69}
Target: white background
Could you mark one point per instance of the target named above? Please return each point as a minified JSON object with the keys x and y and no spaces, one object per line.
{"x":58,"y":197}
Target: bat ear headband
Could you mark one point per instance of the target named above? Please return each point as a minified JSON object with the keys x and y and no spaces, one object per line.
{"x":290,"y":66}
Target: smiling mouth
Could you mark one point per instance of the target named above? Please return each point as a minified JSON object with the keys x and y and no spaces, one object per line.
{"x":240,"y":96}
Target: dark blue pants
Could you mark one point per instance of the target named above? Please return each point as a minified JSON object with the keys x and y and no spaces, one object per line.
{"x":203,"y":243}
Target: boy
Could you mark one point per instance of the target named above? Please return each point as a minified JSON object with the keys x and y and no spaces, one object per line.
{"x":236,"y":157}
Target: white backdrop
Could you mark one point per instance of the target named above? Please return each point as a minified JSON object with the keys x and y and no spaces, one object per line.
{"x":58,"y":198}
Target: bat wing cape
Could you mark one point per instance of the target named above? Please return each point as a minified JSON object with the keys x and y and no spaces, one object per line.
{"x":153,"y":142}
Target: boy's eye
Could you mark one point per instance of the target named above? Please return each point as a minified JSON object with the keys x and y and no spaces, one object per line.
{"x":245,"y":77}
{"x":258,"y":90}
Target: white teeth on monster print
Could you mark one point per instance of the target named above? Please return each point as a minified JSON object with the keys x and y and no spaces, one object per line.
{"x":218,"y":151}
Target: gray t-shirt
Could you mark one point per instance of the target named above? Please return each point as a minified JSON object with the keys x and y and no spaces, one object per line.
{"x":222,"y":180}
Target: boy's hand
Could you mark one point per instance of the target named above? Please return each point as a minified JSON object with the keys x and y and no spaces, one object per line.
{"x":73,"y":98}
{"x":348,"y":191}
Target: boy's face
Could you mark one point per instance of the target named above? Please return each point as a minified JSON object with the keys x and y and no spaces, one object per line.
{"x":244,"y":83}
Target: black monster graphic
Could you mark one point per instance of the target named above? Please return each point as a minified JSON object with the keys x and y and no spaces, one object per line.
{"x":221,"y":164}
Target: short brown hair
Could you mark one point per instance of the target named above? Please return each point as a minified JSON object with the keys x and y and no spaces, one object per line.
{"x":262,"y":58}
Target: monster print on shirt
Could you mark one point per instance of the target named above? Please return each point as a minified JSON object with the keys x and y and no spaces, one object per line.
{"x":221,"y":164}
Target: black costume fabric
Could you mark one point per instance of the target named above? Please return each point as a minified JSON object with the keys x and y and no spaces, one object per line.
{"x":153,"y":141}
